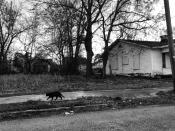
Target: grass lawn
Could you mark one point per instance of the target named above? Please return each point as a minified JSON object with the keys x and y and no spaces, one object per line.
{"x":142,"y":119}
{"x":37,"y":84}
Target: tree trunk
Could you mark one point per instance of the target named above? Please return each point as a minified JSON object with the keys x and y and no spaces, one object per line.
{"x":89,"y":71}
{"x":1,"y":55}
{"x":88,"y":46}
{"x":76,"y":63}
{"x":170,"y":40}
{"x":3,"y":64}
{"x":105,"y":59}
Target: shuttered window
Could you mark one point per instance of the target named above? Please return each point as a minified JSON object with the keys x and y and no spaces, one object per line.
{"x":136,"y":62}
{"x":125,"y":60}
{"x":114,"y":62}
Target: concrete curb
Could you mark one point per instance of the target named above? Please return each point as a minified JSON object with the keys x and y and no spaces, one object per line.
{"x":51,"y":111}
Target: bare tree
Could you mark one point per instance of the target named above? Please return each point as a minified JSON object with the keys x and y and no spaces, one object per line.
{"x":125,"y":19}
{"x":10,"y":28}
{"x":28,"y":39}
{"x":65,"y":23}
{"x":90,"y":11}
{"x":92,"y":8}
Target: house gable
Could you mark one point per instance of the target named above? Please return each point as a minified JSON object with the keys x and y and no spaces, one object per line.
{"x":131,"y":58}
{"x":138,"y":57}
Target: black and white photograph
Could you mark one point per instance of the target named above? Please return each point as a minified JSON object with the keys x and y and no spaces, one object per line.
{"x":87,"y":65}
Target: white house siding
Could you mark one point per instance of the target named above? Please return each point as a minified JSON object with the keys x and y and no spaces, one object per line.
{"x":167,"y":70}
{"x":145,"y":62}
{"x":168,"y":65}
{"x":157,"y":61}
{"x":129,"y":51}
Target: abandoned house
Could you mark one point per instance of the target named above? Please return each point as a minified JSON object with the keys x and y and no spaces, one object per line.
{"x":34,"y":65}
{"x":139,"y":57}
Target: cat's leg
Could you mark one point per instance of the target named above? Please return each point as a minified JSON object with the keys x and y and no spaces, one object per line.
{"x":48,"y":98}
{"x":52,"y":98}
{"x":56,"y":98}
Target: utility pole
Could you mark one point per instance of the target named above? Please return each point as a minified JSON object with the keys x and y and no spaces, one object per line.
{"x":170,"y":40}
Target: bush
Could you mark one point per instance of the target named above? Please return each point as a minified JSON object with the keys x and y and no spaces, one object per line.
{"x":5,"y":68}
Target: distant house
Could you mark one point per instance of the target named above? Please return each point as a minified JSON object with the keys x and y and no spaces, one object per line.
{"x":98,"y":62}
{"x":70,"y":65}
{"x":34,"y":65}
{"x":139,"y":57}
{"x":82,"y":64}
{"x":19,"y":61}
{"x":40,"y":65}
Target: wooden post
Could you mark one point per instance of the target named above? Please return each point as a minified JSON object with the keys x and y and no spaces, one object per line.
{"x":170,"y":39}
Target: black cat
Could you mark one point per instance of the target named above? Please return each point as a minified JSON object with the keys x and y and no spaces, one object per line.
{"x":54,"y":94}
{"x":117,"y":98}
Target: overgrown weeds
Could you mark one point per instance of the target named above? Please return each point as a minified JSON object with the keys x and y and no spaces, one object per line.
{"x":30,"y":84}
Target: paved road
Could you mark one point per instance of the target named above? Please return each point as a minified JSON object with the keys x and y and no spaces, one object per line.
{"x":141,"y":119}
{"x":74,"y":95}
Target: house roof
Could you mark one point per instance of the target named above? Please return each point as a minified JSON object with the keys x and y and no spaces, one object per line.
{"x":148,"y":44}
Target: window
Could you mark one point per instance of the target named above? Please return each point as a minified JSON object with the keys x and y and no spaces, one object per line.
{"x":136,"y":62}
{"x":114,"y":62}
{"x":163,"y":60}
{"x":125,"y":60}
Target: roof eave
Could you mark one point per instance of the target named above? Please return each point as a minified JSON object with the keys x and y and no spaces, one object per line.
{"x":164,"y":46}
{"x":133,"y":43}
{"x":136,"y":44}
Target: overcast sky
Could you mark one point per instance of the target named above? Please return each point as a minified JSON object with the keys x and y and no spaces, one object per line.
{"x":158,"y":8}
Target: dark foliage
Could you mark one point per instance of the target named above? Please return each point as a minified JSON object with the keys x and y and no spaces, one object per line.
{"x":4,"y":68}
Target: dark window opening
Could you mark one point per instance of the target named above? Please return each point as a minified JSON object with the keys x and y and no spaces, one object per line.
{"x":163,"y":60}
